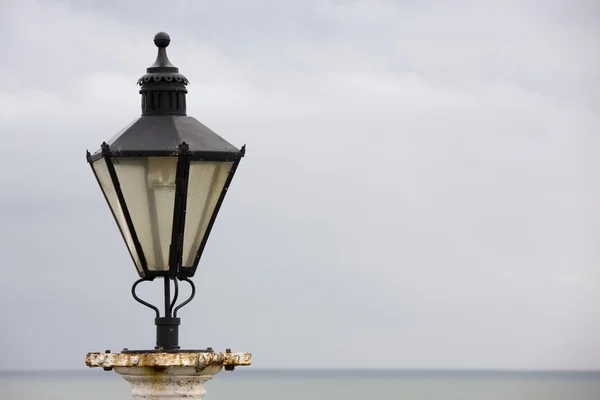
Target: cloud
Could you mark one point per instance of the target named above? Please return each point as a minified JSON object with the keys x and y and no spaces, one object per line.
{"x":419,"y":188}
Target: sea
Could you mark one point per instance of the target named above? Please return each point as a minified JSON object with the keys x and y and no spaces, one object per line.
{"x":256,"y":384}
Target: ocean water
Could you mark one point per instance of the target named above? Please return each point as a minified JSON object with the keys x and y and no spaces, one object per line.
{"x":252,"y":384}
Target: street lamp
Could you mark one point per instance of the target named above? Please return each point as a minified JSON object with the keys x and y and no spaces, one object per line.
{"x":164,"y":177}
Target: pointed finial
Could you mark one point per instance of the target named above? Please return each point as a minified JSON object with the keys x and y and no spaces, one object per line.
{"x":163,"y":88}
{"x":162,"y":39}
{"x":162,"y":63}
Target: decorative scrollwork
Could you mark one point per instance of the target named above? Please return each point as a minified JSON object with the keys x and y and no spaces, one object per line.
{"x":170,"y":308}
{"x":166,"y":76}
{"x":135,"y":296}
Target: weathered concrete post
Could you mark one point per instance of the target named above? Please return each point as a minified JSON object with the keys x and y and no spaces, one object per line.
{"x":173,"y":376}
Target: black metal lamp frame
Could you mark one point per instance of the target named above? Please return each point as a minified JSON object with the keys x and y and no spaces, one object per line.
{"x":165,"y":130}
{"x":184,"y":156}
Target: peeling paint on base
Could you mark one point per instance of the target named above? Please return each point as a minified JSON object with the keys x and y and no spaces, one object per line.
{"x":111,"y":360}
{"x":173,"y":376}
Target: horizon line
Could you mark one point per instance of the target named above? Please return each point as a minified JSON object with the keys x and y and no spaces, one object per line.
{"x":347,"y":369}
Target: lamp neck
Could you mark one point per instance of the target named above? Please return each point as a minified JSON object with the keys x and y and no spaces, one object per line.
{"x":167,"y":326}
{"x":167,"y":333}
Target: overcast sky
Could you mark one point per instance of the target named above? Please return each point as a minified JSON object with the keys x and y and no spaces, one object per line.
{"x":421,"y":187}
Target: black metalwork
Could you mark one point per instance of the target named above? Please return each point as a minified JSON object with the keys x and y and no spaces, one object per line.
{"x":181,"y":191}
{"x":189,"y":298}
{"x":105,"y":148}
{"x":167,"y":326}
{"x":175,"y":296}
{"x":161,"y":136}
{"x":163,"y":87}
{"x":167,"y":333}
{"x":135,"y":296}
{"x":164,"y":130}
{"x":207,"y":350}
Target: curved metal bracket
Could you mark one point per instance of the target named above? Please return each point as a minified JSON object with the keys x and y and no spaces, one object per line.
{"x":167,"y":327}
{"x":189,"y":299}
{"x":174,"y":297}
{"x":135,"y":296}
{"x":172,"y":310}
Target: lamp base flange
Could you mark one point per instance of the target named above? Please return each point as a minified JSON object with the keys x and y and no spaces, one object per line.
{"x":207,"y":350}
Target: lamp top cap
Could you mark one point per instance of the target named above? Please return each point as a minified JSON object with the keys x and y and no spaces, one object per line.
{"x":162,"y":39}
{"x":163,"y":80}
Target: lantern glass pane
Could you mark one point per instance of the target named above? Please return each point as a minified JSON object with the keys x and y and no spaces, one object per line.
{"x":108,"y":188}
{"x":205,"y":184}
{"x":148,"y":185}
